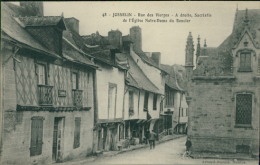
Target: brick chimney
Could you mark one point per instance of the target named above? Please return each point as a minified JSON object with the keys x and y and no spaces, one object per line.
{"x":156,"y":56}
{"x":73,"y":23}
{"x":35,"y":8}
{"x":136,"y":35}
{"x":115,"y":38}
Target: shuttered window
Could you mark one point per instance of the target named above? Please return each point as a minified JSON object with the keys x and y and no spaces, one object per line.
{"x":243,"y":108}
{"x":146,"y":97}
{"x":154,"y":101}
{"x":41,"y":74}
{"x":131,"y":100}
{"x":245,"y":62}
{"x":169,"y":98}
{"x":74,"y":81}
{"x":36,"y":136}
{"x":77,"y":132}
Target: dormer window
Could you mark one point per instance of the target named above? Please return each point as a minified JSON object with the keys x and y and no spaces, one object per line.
{"x":245,"y":62}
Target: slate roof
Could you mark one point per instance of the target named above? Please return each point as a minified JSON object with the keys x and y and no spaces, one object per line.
{"x":42,"y":21}
{"x":13,"y":29}
{"x":16,"y":32}
{"x":146,"y":59}
{"x":138,"y":79}
{"x":219,"y":60}
{"x":175,"y":79}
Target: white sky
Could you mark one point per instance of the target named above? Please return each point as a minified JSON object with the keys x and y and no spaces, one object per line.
{"x":167,"y":38}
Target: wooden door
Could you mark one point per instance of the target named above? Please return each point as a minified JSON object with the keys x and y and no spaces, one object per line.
{"x":58,"y":134}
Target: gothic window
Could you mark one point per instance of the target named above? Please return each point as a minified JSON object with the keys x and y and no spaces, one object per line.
{"x":36,"y":136}
{"x":245,"y":62}
{"x":243,"y":108}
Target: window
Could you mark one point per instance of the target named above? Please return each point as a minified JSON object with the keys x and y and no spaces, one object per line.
{"x":131,"y":100}
{"x":243,"y":109}
{"x":112,"y":91}
{"x":41,"y":72}
{"x":169,"y":98}
{"x":154,"y":101}
{"x":75,"y":80}
{"x":245,"y":62}
{"x":182,"y":112}
{"x":146,"y":97}
{"x":77,"y":132}
{"x":36,"y":136}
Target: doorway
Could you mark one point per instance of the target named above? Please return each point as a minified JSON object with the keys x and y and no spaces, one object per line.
{"x":112,"y":139}
{"x":58,"y":138}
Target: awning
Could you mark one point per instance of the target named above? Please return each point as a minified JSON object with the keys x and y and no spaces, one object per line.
{"x":139,"y":121}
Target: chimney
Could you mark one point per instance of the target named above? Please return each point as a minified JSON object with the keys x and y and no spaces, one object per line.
{"x":34,"y":8}
{"x":136,"y":35}
{"x":73,"y":23}
{"x":115,"y":38}
{"x":156,"y":56}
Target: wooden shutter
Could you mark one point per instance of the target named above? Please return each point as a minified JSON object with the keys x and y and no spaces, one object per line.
{"x":131,"y":100}
{"x":146,"y":97}
{"x":77,"y":132}
{"x":36,"y":136}
{"x":154,"y":102}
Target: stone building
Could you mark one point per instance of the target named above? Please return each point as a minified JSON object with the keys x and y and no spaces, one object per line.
{"x":47,"y":89}
{"x":223,"y":91}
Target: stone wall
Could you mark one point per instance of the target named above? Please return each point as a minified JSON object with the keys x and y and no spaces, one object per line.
{"x":212,"y":116}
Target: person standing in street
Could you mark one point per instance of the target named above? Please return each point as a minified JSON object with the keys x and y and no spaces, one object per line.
{"x":152,"y":138}
{"x":188,"y":145}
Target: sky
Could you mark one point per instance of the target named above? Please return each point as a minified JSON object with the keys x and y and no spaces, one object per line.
{"x":168,"y":38}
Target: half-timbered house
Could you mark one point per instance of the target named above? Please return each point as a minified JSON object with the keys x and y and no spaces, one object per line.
{"x":47,"y":89}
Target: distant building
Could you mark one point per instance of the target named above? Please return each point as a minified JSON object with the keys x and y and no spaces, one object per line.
{"x":175,"y":107}
{"x":48,"y":88}
{"x":224,"y":92}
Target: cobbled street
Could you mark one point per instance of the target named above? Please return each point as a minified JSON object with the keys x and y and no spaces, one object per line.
{"x":170,"y":152}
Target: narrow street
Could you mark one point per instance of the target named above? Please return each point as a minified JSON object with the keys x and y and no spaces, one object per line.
{"x":170,"y":152}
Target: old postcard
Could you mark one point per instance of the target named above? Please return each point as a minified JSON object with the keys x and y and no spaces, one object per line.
{"x":130,"y":82}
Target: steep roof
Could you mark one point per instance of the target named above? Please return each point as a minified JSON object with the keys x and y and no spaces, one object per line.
{"x":14,"y":29}
{"x":146,"y":59}
{"x":43,"y":21}
{"x":16,"y":32}
{"x":218,"y":61}
{"x":175,"y":79}
{"x":137,"y":77}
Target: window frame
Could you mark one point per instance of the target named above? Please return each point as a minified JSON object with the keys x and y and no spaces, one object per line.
{"x":238,"y":125}
{"x":146,"y":101}
{"x":77,"y":80}
{"x":132,"y":96}
{"x":46,"y":71}
{"x":112,"y":85}
{"x":243,"y":68}
{"x":154,"y":101}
